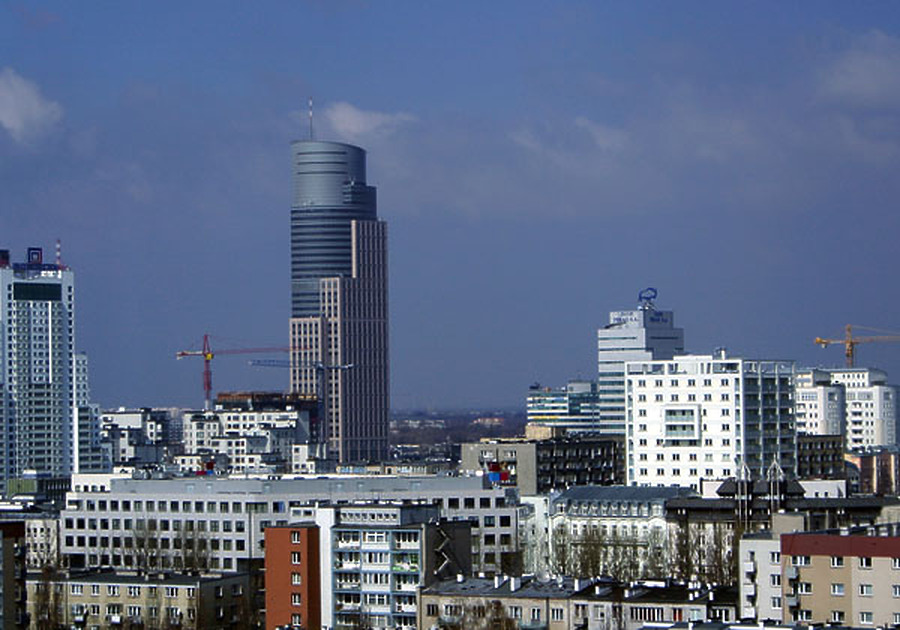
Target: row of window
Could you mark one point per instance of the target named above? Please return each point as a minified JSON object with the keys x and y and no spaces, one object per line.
{"x":864,"y":562}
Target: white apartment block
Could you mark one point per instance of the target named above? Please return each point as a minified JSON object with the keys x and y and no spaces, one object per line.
{"x":707,"y":417}
{"x":818,"y":403}
{"x":164,"y":523}
{"x":855,"y":402}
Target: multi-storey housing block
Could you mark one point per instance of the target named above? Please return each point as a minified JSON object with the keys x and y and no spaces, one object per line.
{"x":217,"y":523}
{"x":708,"y":417}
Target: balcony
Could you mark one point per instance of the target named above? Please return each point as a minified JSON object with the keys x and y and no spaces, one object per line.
{"x":403,"y":544}
{"x":532,"y":625}
{"x":749,"y":590}
{"x":405,"y":567}
{"x":347,"y":544}
{"x":792,"y":573}
{"x":405,"y":608}
{"x":750,"y":566}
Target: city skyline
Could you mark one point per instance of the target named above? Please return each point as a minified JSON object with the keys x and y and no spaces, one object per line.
{"x":538,"y":167}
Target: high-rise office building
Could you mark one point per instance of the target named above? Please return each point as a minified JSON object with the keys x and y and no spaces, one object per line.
{"x":645,"y":334}
{"x":339,"y":323}
{"x":46,"y":424}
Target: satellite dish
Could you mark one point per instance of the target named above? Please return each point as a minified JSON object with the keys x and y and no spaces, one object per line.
{"x":543,"y":576}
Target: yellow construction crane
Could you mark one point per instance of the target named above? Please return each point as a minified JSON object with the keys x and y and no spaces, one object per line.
{"x":850,"y":341}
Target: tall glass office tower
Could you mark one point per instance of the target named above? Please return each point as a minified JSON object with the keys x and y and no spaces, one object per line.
{"x":339,"y":314}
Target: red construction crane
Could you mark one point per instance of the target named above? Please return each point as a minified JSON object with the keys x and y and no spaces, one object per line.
{"x":208,"y":355}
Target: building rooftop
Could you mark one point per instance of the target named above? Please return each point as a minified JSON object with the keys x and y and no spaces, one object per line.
{"x":527,"y":587}
{"x":624,"y":493}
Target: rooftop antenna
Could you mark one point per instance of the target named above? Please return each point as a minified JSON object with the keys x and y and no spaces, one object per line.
{"x":311,"y":134}
{"x":58,"y":253}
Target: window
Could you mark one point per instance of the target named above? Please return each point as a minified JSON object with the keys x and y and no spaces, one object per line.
{"x":295,"y":538}
{"x":77,"y":589}
{"x":775,"y":557}
{"x":556,"y":614}
{"x":800,"y":561}
{"x":515,"y":612}
{"x":296,"y":579}
{"x":895,"y":563}
{"x":804,"y":588}
{"x":865,"y":590}
{"x":775,"y":579}
{"x":865,"y":562}
{"x":776,"y":603}
{"x":837,"y":616}
{"x":865,"y":618}
{"x":895,"y":590}
{"x":431,"y":610}
{"x":295,"y":557}
{"x":837,"y":562}
{"x":295,"y":599}
{"x":112,"y":590}
{"x":837,"y":590}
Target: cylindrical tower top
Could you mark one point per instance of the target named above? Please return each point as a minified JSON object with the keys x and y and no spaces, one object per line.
{"x":322,"y":168}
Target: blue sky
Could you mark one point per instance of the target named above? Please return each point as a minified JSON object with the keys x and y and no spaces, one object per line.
{"x":538,"y":164}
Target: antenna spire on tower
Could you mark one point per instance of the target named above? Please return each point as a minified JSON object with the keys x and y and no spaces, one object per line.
{"x":311,"y":134}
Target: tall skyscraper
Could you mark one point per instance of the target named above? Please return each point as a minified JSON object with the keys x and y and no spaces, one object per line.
{"x":645,"y":334}
{"x":45,"y":424}
{"x":339,"y":323}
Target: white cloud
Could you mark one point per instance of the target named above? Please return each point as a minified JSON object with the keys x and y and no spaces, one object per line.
{"x":354,"y":124}
{"x":24,"y":112}
{"x":606,"y":138}
{"x":866,"y":75}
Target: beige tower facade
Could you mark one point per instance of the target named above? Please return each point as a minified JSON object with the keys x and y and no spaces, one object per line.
{"x":341,"y":354}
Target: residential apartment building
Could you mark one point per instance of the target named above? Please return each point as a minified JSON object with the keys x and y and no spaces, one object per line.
{"x":217,"y":523}
{"x":645,"y":334}
{"x":857,"y":403}
{"x":564,"y":603}
{"x":46,"y":425}
{"x":470,"y":602}
{"x":293,"y":576}
{"x":105,"y":599}
{"x":612,"y":524}
{"x":539,"y":466}
{"x":848,"y":577}
{"x":708,"y":417}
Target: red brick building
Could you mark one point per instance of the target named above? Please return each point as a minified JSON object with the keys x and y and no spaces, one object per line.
{"x":292,"y":577}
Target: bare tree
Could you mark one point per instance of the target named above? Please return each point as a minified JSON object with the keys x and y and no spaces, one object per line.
{"x":655,"y":563}
{"x":562,"y":557}
{"x":48,"y":601}
{"x":591,"y":552}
